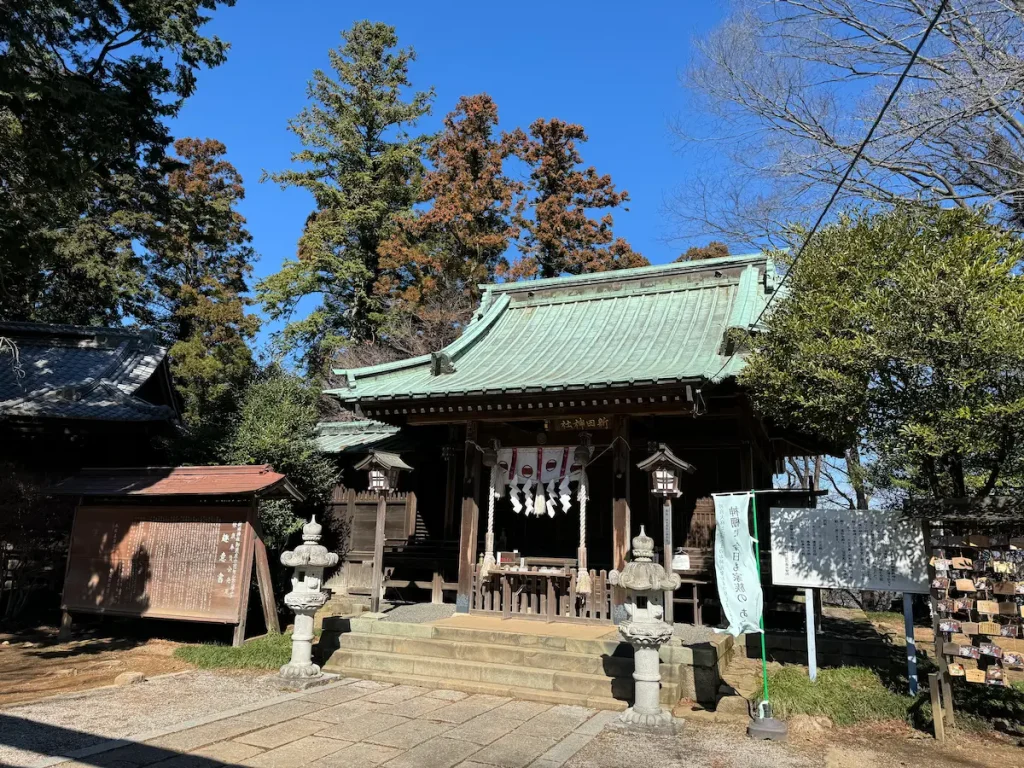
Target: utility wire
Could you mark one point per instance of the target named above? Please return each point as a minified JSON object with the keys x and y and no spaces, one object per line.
{"x":842,"y":181}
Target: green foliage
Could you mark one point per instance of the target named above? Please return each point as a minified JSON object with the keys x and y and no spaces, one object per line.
{"x":846,"y":695}
{"x":200,"y":261}
{"x":86,"y":88}
{"x":269,"y":651}
{"x":363,"y":170}
{"x":901,"y":334}
{"x":276,"y":424}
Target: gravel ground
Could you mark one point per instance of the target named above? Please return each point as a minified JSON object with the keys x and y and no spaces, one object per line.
{"x":73,"y":722}
{"x":691,"y":634}
{"x":697,"y":747}
{"x":419,"y":613}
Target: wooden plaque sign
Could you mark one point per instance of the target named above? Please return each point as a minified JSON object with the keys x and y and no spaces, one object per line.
{"x":185,"y":563}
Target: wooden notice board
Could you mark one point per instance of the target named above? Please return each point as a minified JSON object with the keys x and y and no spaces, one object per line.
{"x":186,"y":563}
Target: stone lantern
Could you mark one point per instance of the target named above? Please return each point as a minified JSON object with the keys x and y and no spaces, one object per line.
{"x":645,"y":583}
{"x":307,"y":596}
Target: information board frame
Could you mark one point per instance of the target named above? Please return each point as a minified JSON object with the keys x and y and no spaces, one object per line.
{"x":865,"y":531}
{"x":252,"y":555}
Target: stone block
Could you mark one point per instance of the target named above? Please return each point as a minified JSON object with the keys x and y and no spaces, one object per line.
{"x":228,"y":752}
{"x":524,"y":677}
{"x":283,"y":733}
{"x":704,"y":655}
{"x":447,"y":695}
{"x":361,"y":727}
{"x":513,"y":751}
{"x":278,"y":713}
{"x":461,"y":711}
{"x":491,"y":654}
{"x":409,"y":734}
{"x":520,"y":710}
{"x":346,"y":710}
{"x":446,"y":668}
{"x":676,"y":654}
{"x":565,"y":749}
{"x":200,"y":736}
{"x":358,"y":755}
{"x":589,"y":685}
{"x":129,"y":678}
{"x":413,"y":646}
{"x":402,"y":629}
{"x":334,"y":694}
{"x":296,"y":754}
{"x":440,"y":752}
{"x":395,"y":695}
{"x":416,"y":707}
{"x":596,"y":724}
{"x":484,"y":729}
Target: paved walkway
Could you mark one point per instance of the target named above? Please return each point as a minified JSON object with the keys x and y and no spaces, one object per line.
{"x":357,"y":723}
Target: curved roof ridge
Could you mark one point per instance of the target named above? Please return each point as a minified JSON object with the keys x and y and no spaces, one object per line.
{"x":654,"y":270}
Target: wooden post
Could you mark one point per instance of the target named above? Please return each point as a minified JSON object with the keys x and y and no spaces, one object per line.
{"x":812,"y":650}
{"x":620,"y":509}
{"x":263,"y":578}
{"x":667,"y":548}
{"x":64,"y":635}
{"x":470,"y":521}
{"x":377,"y":584}
{"x":933,"y":690}
{"x":908,"y":624}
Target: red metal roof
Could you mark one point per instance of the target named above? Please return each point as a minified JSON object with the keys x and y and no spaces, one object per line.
{"x":237,"y":481}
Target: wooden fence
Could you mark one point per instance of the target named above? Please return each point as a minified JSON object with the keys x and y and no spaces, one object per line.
{"x":540,"y":595}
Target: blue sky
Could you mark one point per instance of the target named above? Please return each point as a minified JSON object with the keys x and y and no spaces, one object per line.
{"x":611,"y":66}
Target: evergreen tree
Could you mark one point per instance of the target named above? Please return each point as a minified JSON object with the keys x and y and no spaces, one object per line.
{"x":363,"y":170}
{"x":716,"y":249}
{"x":200,"y":261}
{"x":560,"y":237}
{"x":461,"y":239}
{"x":86,"y":88}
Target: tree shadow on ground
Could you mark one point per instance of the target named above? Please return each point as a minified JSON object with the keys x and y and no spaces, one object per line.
{"x":54,"y":741}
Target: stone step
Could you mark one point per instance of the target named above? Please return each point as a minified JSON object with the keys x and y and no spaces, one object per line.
{"x":467,"y":686}
{"x":584,"y":685}
{"x":542,"y":658}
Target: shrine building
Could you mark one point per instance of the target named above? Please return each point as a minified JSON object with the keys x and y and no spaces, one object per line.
{"x":524,"y":437}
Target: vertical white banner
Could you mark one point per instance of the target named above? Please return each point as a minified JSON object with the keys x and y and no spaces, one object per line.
{"x":739,"y":588}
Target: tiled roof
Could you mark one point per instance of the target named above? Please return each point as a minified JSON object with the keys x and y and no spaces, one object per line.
{"x":635,"y":327}
{"x":342,"y":436}
{"x":235,"y":481}
{"x":73,"y":372}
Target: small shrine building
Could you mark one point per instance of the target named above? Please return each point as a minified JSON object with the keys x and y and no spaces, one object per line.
{"x":524,"y":437}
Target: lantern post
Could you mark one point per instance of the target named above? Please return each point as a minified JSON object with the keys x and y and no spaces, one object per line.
{"x":665,"y":470}
{"x":383,"y":469}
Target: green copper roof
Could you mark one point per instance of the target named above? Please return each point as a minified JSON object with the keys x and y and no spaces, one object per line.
{"x":342,"y":436}
{"x":633,"y":327}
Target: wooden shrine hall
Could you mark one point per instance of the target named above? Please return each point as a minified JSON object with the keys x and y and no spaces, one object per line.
{"x":525,"y":434}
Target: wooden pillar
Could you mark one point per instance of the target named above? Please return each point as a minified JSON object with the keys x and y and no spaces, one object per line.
{"x":620,"y":509}
{"x":377,"y":584}
{"x":470,"y":520}
{"x":263,"y":577}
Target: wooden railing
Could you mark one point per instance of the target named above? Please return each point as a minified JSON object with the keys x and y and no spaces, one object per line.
{"x":542,"y":595}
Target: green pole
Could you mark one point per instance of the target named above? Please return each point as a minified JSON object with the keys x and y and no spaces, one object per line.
{"x":757,"y":557}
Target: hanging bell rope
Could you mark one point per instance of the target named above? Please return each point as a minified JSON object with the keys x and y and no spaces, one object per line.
{"x":583,"y":586}
{"x":490,"y":563}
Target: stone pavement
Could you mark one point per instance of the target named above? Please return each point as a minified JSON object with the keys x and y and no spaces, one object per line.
{"x":358,"y":722}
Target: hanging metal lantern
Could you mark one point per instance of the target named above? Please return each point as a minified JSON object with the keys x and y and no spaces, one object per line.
{"x":384,"y":469}
{"x":666,"y":470}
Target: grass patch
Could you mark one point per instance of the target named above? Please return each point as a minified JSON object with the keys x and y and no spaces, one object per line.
{"x":846,"y":695}
{"x":266,"y":652}
{"x":885,"y":617}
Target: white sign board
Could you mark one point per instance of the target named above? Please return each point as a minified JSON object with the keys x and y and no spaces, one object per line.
{"x":847,"y":549}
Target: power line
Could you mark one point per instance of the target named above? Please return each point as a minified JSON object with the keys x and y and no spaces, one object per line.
{"x":842,"y":181}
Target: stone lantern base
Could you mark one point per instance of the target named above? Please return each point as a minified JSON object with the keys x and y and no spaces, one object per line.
{"x":661,"y":724}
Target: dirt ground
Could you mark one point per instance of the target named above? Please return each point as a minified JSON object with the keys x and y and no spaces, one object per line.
{"x":33,"y":665}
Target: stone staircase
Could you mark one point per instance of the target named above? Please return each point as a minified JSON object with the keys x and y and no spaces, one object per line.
{"x":535,"y":667}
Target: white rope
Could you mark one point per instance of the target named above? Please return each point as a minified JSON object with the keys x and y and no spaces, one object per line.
{"x":583,"y":585}
{"x":489,"y":560}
